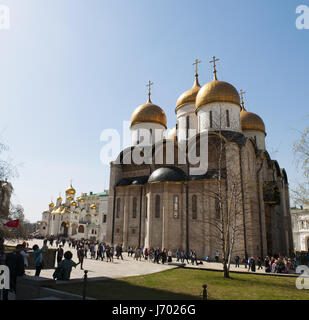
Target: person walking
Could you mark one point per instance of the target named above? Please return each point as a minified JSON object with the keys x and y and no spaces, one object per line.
{"x":217,"y":256}
{"x":80,"y":256}
{"x":59,"y":254}
{"x":169,"y":254}
{"x":24,"y":254}
{"x":64,"y":269}
{"x":15,"y":262}
{"x":38,"y":258}
{"x":267,"y":264}
{"x":237,"y":258}
{"x":259,"y":263}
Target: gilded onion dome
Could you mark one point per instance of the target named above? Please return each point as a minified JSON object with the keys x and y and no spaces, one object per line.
{"x":69,"y":198}
{"x":80,"y":199}
{"x":51,"y":205}
{"x":172,"y":135}
{"x":73,"y":203}
{"x":70,"y":190}
{"x":148,"y":112}
{"x":251,"y":121}
{"x":217,"y":91}
{"x":59,"y":198}
{"x":93,"y":207}
{"x":189,"y":96}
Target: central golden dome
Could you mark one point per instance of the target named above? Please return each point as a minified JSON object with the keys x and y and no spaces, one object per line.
{"x":251,"y":121}
{"x":189,"y":96}
{"x":148,"y":112}
{"x":217,"y":91}
{"x":70,"y":190}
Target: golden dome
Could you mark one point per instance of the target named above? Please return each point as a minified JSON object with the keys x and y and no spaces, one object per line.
{"x":172,"y":135}
{"x":251,"y":121}
{"x":93,"y":207}
{"x":59,"y":199}
{"x":70,"y":190}
{"x":80,"y":199}
{"x":189,"y":96}
{"x":148,"y":112}
{"x":217,"y":91}
{"x":73,"y":203}
{"x":69,"y":198}
{"x":51,"y":205}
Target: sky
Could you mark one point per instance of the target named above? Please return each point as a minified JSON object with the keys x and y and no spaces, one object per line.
{"x":71,"y":68}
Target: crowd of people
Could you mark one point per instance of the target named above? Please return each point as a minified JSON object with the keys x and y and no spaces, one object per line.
{"x":17,"y":260}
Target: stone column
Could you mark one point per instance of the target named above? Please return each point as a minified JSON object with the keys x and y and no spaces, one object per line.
{"x":165,"y":216}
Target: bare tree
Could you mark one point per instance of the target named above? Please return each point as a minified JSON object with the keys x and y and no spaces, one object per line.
{"x":300,"y":193}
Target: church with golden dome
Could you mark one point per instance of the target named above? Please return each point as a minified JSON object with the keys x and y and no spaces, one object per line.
{"x":163,"y":204}
{"x":83,"y":217}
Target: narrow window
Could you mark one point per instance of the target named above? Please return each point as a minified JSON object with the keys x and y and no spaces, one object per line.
{"x":118,"y":208}
{"x":157,"y":207}
{"x":134,"y":207}
{"x":210,"y":119}
{"x":187,"y":127}
{"x":227,"y":118}
{"x":194,"y":207}
{"x":176,"y":206}
{"x":104,"y":218}
{"x":150,"y":138}
{"x":146,"y":206}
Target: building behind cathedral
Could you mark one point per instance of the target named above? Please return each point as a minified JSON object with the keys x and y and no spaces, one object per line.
{"x":83,"y":217}
{"x":164,"y":205}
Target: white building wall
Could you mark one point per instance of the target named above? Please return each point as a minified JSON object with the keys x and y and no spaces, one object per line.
{"x":181,"y":115}
{"x":219,"y":118}
{"x":140,"y":130}
{"x":258,"y":136}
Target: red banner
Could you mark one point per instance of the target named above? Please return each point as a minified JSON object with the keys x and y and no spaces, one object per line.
{"x":12,"y":223}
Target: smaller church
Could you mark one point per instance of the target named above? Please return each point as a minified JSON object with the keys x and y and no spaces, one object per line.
{"x":81,"y":218}
{"x":164,"y":205}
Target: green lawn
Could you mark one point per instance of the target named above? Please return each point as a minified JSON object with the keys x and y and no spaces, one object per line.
{"x":179,"y":284}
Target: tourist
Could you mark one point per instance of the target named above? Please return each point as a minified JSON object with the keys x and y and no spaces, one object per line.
{"x":259,"y":263}
{"x":80,"y":255}
{"x":59,"y":254}
{"x":86,"y":249}
{"x":164,"y":256}
{"x":169,"y":254}
{"x":237,"y":258}
{"x":63,"y":271}
{"x":267,"y":264}
{"x":120,"y":252}
{"x":217,"y":256}
{"x":38,"y":258}
{"x":280,"y":267}
{"x":15,"y":263}
{"x":150,"y":254}
{"x":182,"y":256}
{"x":252,"y":264}
{"x":193,"y":257}
{"x":177,"y":255}
{"x":63,"y":241}
{"x":24,"y":254}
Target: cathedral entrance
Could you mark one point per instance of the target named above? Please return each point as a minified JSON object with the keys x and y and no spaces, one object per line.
{"x":64,"y":229}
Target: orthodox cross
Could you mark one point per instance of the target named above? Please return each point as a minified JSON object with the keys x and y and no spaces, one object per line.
{"x":242,"y":98}
{"x":149,"y":89}
{"x":214,"y":60}
{"x":196,"y":62}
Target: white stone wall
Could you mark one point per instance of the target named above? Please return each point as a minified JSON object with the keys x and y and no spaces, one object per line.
{"x":258,"y":136}
{"x":219,"y":119}
{"x":138,"y":130}
{"x":182,"y":113}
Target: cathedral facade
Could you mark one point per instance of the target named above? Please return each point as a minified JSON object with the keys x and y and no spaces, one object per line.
{"x":81,"y":218}
{"x":165,"y":205}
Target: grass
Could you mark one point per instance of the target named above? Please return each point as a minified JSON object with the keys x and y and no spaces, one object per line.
{"x":180,"y":284}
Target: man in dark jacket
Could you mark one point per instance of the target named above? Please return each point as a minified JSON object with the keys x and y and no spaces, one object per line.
{"x":59,"y":254}
{"x":15,"y":262}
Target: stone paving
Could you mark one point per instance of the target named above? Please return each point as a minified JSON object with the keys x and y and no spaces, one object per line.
{"x":127,"y":267}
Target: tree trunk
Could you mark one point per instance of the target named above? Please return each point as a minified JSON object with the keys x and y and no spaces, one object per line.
{"x":225,"y":269}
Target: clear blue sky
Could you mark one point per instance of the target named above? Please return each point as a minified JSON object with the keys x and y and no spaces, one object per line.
{"x":70,"y":69}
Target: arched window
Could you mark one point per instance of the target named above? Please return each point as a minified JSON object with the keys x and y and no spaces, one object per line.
{"x":194,"y":207}
{"x":118,"y":208}
{"x":81,"y":229}
{"x":134,"y":207}
{"x":146,"y":207}
{"x":210,"y":119}
{"x":227,"y":118}
{"x":157,"y":207}
{"x":176,"y":206}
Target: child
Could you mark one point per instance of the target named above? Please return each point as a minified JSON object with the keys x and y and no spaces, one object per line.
{"x":63,"y":271}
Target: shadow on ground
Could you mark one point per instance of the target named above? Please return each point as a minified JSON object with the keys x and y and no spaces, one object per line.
{"x":114,"y":289}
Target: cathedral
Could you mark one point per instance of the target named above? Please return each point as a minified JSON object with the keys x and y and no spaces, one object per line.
{"x":81,"y":218}
{"x":166,"y":205}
